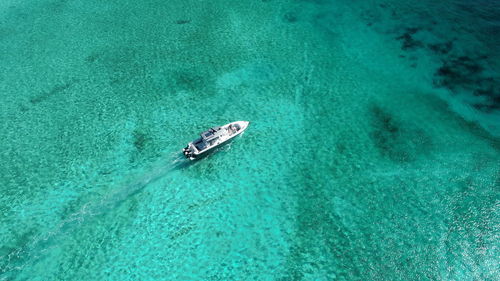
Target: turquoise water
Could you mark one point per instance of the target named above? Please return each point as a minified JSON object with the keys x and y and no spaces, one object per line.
{"x":372,"y":153}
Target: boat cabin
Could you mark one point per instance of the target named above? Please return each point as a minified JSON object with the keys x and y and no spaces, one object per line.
{"x":208,"y":138}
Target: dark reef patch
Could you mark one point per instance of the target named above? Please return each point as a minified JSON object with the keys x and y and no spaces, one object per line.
{"x":458,"y":72}
{"x":180,"y":232}
{"x":145,"y":144}
{"x":182,"y":21}
{"x":408,"y":42}
{"x":23,"y":108}
{"x":441,"y":48}
{"x":466,"y":73}
{"x":54,"y":91}
{"x":140,"y":140}
{"x":187,"y":80}
{"x":290,"y":17}
{"x":400,"y":142}
{"x":470,"y":76}
{"x":92,"y":57}
{"x":491,"y":96}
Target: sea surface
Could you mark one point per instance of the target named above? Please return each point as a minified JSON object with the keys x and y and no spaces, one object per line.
{"x":373,"y":151}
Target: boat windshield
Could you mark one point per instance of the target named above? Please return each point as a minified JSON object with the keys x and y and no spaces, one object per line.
{"x":210,"y":134}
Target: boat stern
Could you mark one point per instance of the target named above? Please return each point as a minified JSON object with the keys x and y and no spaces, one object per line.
{"x":189,"y":151}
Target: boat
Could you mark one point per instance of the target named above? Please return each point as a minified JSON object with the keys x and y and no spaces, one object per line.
{"x":214,"y":137}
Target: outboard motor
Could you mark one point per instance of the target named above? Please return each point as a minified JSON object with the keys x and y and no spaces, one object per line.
{"x":188,"y":153}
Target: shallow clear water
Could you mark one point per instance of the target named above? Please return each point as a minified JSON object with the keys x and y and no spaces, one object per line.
{"x":372,"y":153}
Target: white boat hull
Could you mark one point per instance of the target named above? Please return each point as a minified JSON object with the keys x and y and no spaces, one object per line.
{"x":215,"y":137}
